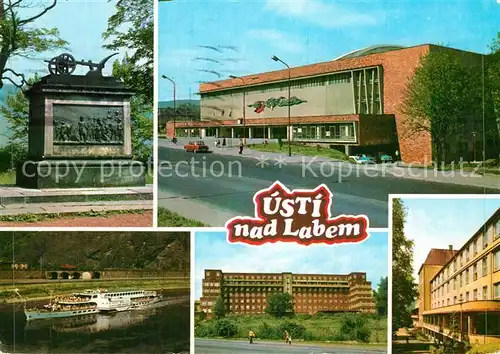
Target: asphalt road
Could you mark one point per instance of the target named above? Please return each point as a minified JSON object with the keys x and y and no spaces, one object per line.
{"x":203,"y":346}
{"x":228,"y":183}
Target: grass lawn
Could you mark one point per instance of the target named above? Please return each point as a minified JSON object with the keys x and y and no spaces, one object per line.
{"x":42,"y":290}
{"x":319,"y":328}
{"x":301,"y":150}
{"x":167,"y":218}
{"x":7,"y":178}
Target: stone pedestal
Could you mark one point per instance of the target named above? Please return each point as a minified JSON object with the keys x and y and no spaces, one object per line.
{"x":79,"y":135}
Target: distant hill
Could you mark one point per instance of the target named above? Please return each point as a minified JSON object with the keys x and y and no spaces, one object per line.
{"x":186,"y":110}
{"x":98,"y":250}
{"x":170,"y":104}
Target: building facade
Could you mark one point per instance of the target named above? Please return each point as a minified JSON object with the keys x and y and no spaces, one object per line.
{"x":247,"y":293}
{"x":461,"y":291}
{"x":353,"y":103}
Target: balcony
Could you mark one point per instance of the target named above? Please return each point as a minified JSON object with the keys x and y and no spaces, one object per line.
{"x":469,"y":306}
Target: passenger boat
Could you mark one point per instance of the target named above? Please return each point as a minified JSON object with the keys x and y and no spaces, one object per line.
{"x":127,"y":300}
{"x":94,"y":301}
{"x":76,"y":305}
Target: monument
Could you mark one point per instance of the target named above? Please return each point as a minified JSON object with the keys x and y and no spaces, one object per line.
{"x":79,"y":130}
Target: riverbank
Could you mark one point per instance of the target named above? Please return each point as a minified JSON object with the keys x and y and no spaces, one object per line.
{"x":19,"y":293}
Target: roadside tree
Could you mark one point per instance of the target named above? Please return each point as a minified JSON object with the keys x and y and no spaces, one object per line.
{"x":441,"y":99}
{"x":219,"y":308}
{"x":381,"y":297}
{"x":404,"y":289}
{"x":280,"y":305}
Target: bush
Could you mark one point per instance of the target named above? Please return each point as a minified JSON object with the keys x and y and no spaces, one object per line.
{"x":296,"y":330}
{"x":225,"y":328}
{"x":353,"y":327}
{"x":10,"y":155}
{"x":265,"y":331}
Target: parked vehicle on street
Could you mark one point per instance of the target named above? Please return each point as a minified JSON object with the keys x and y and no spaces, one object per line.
{"x":196,"y":146}
{"x":362,"y":159}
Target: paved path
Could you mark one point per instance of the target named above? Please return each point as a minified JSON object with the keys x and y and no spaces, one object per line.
{"x":215,"y":187}
{"x":74,"y":207}
{"x":203,"y":346}
{"x":143,"y":219}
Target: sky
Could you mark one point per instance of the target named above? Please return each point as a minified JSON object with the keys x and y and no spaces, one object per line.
{"x":212,"y":251}
{"x":438,"y":223}
{"x":303,"y":32}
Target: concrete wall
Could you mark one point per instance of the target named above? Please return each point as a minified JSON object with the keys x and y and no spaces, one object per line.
{"x":377,"y":130}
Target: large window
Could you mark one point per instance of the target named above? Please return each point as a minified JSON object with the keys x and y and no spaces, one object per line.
{"x":497,"y":229}
{"x":497,"y":260}
{"x":339,"y":131}
{"x":485,"y":239}
{"x":497,"y":290}
{"x":485,"y":267}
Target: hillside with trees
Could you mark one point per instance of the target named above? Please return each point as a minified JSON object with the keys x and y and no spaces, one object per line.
{"x":97,"y":250}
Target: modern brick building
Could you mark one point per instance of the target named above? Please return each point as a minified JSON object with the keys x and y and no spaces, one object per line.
{"x":463,"y":286}
{"x":353,"y":103}
{"x":247,"y":293}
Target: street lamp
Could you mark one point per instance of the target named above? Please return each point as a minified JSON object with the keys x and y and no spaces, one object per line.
{"x":474,"y":145}
{"x":244,"y":107}
{"x":173,"y":83}
{"x":275,"y":58}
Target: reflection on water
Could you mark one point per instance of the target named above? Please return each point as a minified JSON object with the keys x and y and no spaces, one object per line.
{"x":163,"y":328}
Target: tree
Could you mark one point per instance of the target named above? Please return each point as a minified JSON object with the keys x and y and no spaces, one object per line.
{"x":381,"y":297}
{"x":219,"y":308}
{"x":279,"y":304}
{"x":440,"y":99}
{"x":18,"y":37}
{"x":404,"y":289}
{"x":136,"y":69}
{"x":493,"y":86}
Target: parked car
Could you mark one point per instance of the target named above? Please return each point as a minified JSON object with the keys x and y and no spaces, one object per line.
{"x":384,"y":158}
{"x":362,"y":159}
{"x":196,"y":146}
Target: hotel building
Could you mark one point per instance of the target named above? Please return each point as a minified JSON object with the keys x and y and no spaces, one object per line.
{"x":352,"y":103}
{"x":462,"y":287}
{"x":247,"y":293}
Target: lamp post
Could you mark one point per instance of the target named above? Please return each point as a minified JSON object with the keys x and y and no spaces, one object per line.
{"x":289,"y":128}
{"x":474,"y":145}
{"x":244,"y":108}
{"x":175,"y":108}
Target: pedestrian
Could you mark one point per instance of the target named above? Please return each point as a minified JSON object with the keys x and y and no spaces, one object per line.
{"x":280,"y":142}
{"x":224,"y":142}
{"x":289,"y":340}
{"x":251,"y":335}
{"x":240,"y":145}
{"x":286,"y":337}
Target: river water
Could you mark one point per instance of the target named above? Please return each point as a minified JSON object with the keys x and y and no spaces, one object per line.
{"x":161,"y":329}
